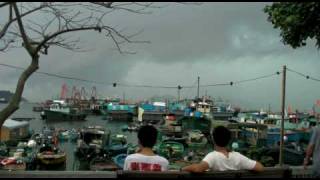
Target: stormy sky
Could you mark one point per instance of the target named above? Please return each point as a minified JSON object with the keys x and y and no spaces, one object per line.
{"x":220,"y":42}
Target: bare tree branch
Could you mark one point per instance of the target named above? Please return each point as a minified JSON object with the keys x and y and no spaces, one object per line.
{"x":22,"y":31}
{"x":6,"y":26}
{"x":4,"y":4}
{"x":56,"y":27}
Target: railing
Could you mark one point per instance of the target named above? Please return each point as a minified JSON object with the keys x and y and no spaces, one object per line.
{"x":274,"y":172}
{"x":300,"y":172}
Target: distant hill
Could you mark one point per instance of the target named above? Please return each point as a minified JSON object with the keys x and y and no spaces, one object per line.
{"x":5,"y":96}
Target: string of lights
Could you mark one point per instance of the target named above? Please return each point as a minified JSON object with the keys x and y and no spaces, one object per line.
{"x":152,"y":86}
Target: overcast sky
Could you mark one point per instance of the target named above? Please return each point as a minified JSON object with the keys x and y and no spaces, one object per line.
{"x":220,"y":42}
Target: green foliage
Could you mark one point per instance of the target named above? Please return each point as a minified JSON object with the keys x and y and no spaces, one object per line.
{"x":297,"y":21}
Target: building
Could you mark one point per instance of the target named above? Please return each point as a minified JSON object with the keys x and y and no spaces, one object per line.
{"x":14,"y":130}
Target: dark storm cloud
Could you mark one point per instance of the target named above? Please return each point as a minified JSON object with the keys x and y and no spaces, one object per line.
{"x":220,"y":42}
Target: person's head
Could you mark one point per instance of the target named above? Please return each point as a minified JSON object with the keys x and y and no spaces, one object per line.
{"x":147,"y":136}
{"x":221,"y":136}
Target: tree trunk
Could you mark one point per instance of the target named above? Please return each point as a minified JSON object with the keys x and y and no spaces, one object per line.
{"x":16,"y":98}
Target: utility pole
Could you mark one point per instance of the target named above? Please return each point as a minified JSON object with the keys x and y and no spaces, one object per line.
{"x":124,"y":97}
{"x":198,"y":87}
{"x":282,"y":115}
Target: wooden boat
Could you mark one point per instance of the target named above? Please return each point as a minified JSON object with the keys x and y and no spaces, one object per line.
{"x":49,"y":155}
{"x":119,"y":160}
{"x":203,"y":124}
{"x":196,"y":139}
{"x":74,"y":135}
{"x":171,"y":150}
{"x":130,"y":127}
{"x":93,"y":141}
{"x":118,"y":144}
{"x":102,"y":164}
{"x":3,"y":149}
{"x":63,"y":135}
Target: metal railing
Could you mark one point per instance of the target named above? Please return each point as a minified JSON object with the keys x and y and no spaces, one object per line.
{"x":274,"y":172}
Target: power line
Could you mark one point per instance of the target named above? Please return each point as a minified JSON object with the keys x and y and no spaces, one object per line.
{"x":304,"y":75}
{"x":148,"y":86}
{"x":56,"y":75}
{"x":254,"y":79}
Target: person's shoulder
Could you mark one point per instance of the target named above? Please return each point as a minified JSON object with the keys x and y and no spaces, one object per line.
{"x":236,"y":154}
{"x":132,"y":156}
{"x":240,"y":156}
{"x":163,"y":159}
{"x":212,"y":153}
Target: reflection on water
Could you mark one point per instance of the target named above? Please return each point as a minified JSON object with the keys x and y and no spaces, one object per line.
{"x":37,"y":124}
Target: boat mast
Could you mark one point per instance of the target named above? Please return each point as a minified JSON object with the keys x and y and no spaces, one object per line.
{"x":198,"y":87}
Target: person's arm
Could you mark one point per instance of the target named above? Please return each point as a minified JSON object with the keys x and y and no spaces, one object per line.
{"x":309,"y":152}
{"x":258,"y":167}
{"x":309,"y":149}
{"x":249,"y":164}
{"x":197,"y":168}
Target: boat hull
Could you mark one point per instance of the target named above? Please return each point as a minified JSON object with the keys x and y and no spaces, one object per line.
{"x":52,"y":159}
{"x":60,"y":116}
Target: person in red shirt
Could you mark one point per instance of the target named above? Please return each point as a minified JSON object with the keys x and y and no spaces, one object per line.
{"x":145,"y":159}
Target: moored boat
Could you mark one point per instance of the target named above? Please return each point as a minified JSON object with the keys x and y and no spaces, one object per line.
{"x":60,"y":111}
{"x":92,"y":142}
{"x":196,"y":139}
{"x":119,"y":160}
{"x":118,"y":144}
{"x":49,"y":155}
{"x":103,"y":164}
{"x":171,"y":150}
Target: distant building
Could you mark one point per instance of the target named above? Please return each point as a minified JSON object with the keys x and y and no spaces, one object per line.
{"x":14,"y":130}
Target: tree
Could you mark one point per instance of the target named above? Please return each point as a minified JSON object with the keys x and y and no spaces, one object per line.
{"x":62,"y":19}
{"x":297,"y":21}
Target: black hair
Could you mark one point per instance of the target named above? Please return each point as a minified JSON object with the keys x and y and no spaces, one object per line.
{"x":147,"y":136}
{"x":221,"y":136}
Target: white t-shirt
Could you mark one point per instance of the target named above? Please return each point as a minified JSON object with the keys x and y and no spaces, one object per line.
{"x":140,"y":162}
{"x":217,"y":161}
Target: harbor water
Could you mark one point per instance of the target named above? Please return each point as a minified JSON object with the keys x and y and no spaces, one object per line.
{"x":37,"y":124}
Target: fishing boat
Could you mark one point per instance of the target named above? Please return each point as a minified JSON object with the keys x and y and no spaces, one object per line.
{"x":119,"y":160}
{"x":74,"y":135}
{"x":63,"y":135}
{"x":171,"y":150}
{"x":196,"y":139}
{"x":51,"y":155}
{"x":189,"y":123}
{"x":131,"y":127}
{"x":93,"y":141}
{"x":12,"y":163}
{"x":38,"y":108}
{"x":60,"y":111}
{"x":103,"y":164}
{"x":4,"y":150}
{"x":289,"y":136}
{"x":118,"y":144}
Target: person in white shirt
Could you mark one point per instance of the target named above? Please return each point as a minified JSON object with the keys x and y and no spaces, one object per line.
{"x":146,"y":159}
{"x":221,"y":159}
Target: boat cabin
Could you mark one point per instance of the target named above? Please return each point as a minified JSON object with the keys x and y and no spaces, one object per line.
{"x":253,"y":134}
{"x":59,"y":107}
